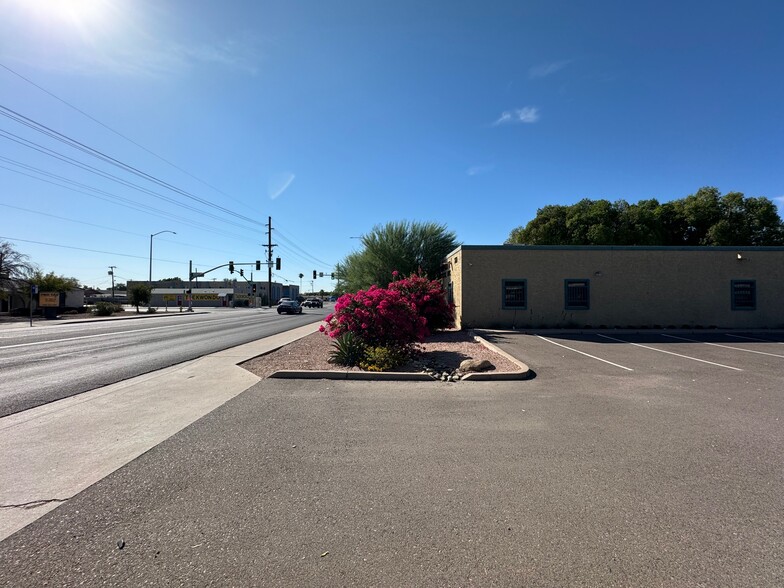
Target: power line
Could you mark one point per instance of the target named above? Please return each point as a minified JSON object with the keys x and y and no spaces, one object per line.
{"x":119,"y":134}
{"x":115,"y":230}
{"x":73,"y":143}
{"x":290,"y":242}
{"x":120,"y":201}
{"x":86,"y":167}
{"x":85,"y":249}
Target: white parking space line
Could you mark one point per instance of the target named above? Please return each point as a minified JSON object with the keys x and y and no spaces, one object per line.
{"x":586,"y":354}
{"x":754,"y":339}
{"x":671,"y":353}
{"x":725,"y":346}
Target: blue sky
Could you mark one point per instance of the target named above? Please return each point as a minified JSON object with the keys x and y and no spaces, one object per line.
{"x":332,"y":117}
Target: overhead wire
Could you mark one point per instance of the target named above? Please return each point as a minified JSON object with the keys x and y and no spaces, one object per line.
{"x":73,"y":143}
{"x":86,"y":167}
{"x":43,"y":129}
{"x":283,"y":237}
{"x":128,"y":203}
{"x":86,"y":249}
{"x":119,"y":134}
{"x":113,"y":229}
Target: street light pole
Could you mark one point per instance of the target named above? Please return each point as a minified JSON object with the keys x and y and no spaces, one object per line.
{"x":111,"y":273}
{"x":149,"y":283}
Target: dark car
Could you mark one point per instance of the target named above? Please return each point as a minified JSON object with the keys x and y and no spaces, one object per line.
{"x":313,"y":303}
{"x":289,"y":307}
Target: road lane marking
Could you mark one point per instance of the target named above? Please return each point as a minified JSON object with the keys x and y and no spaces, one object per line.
{"x":86,"y":337}
{"x":586,"y":354}
{"x":754,"y":339}
{"x":671,"y":353}
{"x":725,"y":346}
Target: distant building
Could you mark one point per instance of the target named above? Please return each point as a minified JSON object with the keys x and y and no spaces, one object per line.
{"x":217,"y":293}
{"x":516,"y":286}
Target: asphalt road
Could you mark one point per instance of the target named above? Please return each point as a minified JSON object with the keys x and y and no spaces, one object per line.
{"x":666,"y":471}
{"x":50,"y":362}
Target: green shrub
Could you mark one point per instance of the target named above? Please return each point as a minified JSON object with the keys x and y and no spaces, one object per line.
{"x":104,"y":308}
{"x":382,"y":359}
{"x":347,"y":350}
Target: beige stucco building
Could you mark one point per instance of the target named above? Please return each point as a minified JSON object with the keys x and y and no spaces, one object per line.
{"x":516,"y":286}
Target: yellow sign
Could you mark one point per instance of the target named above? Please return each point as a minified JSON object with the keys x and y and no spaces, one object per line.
{"x":49,"y":299}
{"x":205,"y":297}
{"x":169,"y":297}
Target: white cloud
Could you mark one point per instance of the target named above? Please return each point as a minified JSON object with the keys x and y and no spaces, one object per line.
{"x":475,"y":170}
{"x":546,"y":69}
{"x":279,"y":184}
{"x":526,"y":114}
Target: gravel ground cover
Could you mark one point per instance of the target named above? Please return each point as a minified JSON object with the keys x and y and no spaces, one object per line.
{"x":443,"y":351}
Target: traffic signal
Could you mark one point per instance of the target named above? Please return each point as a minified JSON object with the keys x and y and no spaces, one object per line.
{"x":314,"y":274}
{"x":258,"y":265}
{"x":332,"y":275}
{"x":254,"y":288}
{"x":242,"y":272}
{"x":231,"y":267}
{"x":277,"y":263}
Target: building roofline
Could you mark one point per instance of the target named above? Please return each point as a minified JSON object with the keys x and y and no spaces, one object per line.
{"x":613,"y":248}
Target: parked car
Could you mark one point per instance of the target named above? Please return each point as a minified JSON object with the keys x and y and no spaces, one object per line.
{"x":313,"y":303}
{"x":289,"y":307}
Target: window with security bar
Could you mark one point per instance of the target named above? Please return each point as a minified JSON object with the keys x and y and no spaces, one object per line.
{"x":515,"y":294}
{"x":577,"y":294}
{"x":744,"y":295}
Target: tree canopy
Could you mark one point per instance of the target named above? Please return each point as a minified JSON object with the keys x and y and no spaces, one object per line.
{"x":13,"y":264}
{"x":139,"y":294}
{"x":703,"y":218}
{"x":406,"y":247}
{"x":53,"y":283}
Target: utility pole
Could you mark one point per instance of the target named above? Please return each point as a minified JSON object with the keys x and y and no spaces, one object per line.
{"x":269,"y":261}
{"x":111,"y":273}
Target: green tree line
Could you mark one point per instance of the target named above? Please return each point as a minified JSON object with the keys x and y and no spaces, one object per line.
{"x":703,"y":218}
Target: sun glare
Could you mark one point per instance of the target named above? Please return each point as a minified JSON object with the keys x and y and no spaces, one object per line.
{"x":77,"y":13}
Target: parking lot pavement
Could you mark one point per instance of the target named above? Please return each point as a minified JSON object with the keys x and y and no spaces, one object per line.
{"x":650,"y":352}
{"x":587,"y":475}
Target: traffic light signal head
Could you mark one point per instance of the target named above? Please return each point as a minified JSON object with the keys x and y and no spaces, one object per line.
{"x":231,"y":267}
{"x":314,"y":274}
{"x":254,"y":288}
{"x":258,"y":265}
{"x":277,"y":263}
{"x":332,"y":275}
{"x":242,"y":272}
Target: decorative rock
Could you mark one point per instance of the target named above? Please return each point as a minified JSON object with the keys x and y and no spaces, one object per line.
{"x":475,"y":365}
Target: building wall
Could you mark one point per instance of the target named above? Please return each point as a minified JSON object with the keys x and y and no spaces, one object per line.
{"x":628,"y":286}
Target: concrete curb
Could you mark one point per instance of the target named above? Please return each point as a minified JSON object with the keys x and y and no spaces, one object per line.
{"x":524,"y":373}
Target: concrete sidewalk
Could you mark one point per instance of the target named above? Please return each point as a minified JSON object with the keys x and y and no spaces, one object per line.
{"x":52,"y":452}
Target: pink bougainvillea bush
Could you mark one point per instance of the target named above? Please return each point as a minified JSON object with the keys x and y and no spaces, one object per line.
{"x":404,"y":313}
{"x":429,"y":299}
{"x":379,"y":316}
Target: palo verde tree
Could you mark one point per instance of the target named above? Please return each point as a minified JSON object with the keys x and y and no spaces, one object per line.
{"x":703,"y":218}
{"x":405,"y":247}
{"x":139,"y":294}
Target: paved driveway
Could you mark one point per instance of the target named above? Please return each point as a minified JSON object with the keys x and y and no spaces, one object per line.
{"x":588,"y":475}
